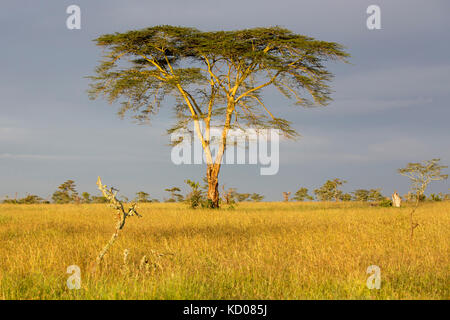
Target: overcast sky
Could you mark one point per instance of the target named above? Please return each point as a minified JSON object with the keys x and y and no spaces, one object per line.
{"x":391,"y":105}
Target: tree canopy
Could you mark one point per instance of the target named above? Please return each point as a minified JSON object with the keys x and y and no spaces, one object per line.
{"x":422,"y":174}
{"x":165,"y":60}
{"x":330,"y":190}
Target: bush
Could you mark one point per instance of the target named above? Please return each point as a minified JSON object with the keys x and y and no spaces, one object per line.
{"x":435,"y":197}
{"x":385,"y":203}
{"x":196,"y":197}
{"x":29,"y":199}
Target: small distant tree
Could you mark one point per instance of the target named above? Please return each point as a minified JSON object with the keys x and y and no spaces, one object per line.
{"x":86,"y":197}
{"x":345,"y":197}
{"x":330,"y":190}
{"x":302,"y":195}
{"x":375,"y":195}
{"x":9,"y":201}
{"x":286,"y":196}
{"x":228,"y":195}
{"x":142,"y":197}
{"x":66,"y":193}
{"x":364,"y":195}
{"x":386,"y":202}
{"x":195,"y":198}
{"x":256,"y":197}
{"x":414,"y":197}
{"x":175,"y":195}
{"x":99,"y":199}
{"x":30,"y":199}
{"x":435,"y":197}
{"x":361,"y":195}
{"x":421,"y":175}
{"x":241,"y":197}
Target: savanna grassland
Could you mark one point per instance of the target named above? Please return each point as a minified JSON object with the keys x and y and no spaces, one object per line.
{"x":255,"y":251}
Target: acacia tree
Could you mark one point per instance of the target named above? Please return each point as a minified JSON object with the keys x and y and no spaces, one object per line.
{"x":216,"y":77}
{"x":66,"y":193}
{"x":228,"y":195}
{"x":361,"y":195}
{"x":302,"y":195}
{"x":256,"y":197}
{"x":421,"y":175}
{"x":175,"y":195}
{"x":142,"y":196}
{"x":367,"y":195}
{"x":375,"y":195}
{"x":330,"y":190}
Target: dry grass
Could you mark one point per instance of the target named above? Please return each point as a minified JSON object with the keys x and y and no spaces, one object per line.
{"x":256,"y":251}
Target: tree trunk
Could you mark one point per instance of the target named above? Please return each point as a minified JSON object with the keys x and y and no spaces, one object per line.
{"x":212,"y":174}
{"x":212,"y":171}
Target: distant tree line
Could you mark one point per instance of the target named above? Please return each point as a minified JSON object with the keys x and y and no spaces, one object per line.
{"x":197,"y":195}
{"x":29,"y":199}
{"x":67,"y":193}
{"x":330,"y":191}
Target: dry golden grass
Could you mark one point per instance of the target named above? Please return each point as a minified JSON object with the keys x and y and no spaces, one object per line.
{"x":256,"y":251}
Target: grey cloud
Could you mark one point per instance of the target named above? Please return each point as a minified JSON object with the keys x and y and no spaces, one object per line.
{"x":420,"y":81}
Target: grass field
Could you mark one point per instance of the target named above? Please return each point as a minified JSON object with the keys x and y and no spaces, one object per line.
{"x":256,"y":251}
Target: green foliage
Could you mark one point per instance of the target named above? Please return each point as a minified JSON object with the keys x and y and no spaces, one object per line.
{"x":345,"y":197}
{"x":195,"y":198}
{"x":175,"y":195}
{"x":231,"y":196}
{"x":302,"y":195}
{"x":162,"y":58}
{"x":422,"y":174}
{"x":376,"y":195}
{"x":29,"y":199}
{"x":364,"y":195}
{"x":10,"y":201}
{"x":66,"y":193}
{"x":361,"y":195}
{"x":413,"y":197}
{"x":86,"y":197}
{"x":330,"y":190}
{"x":241,"y":197}
{"x":435,"y":197}
{"x":385,"y":203}
{"x":99,"y":199}
{"x":256,"y":197}
{"x":142,"y":197}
